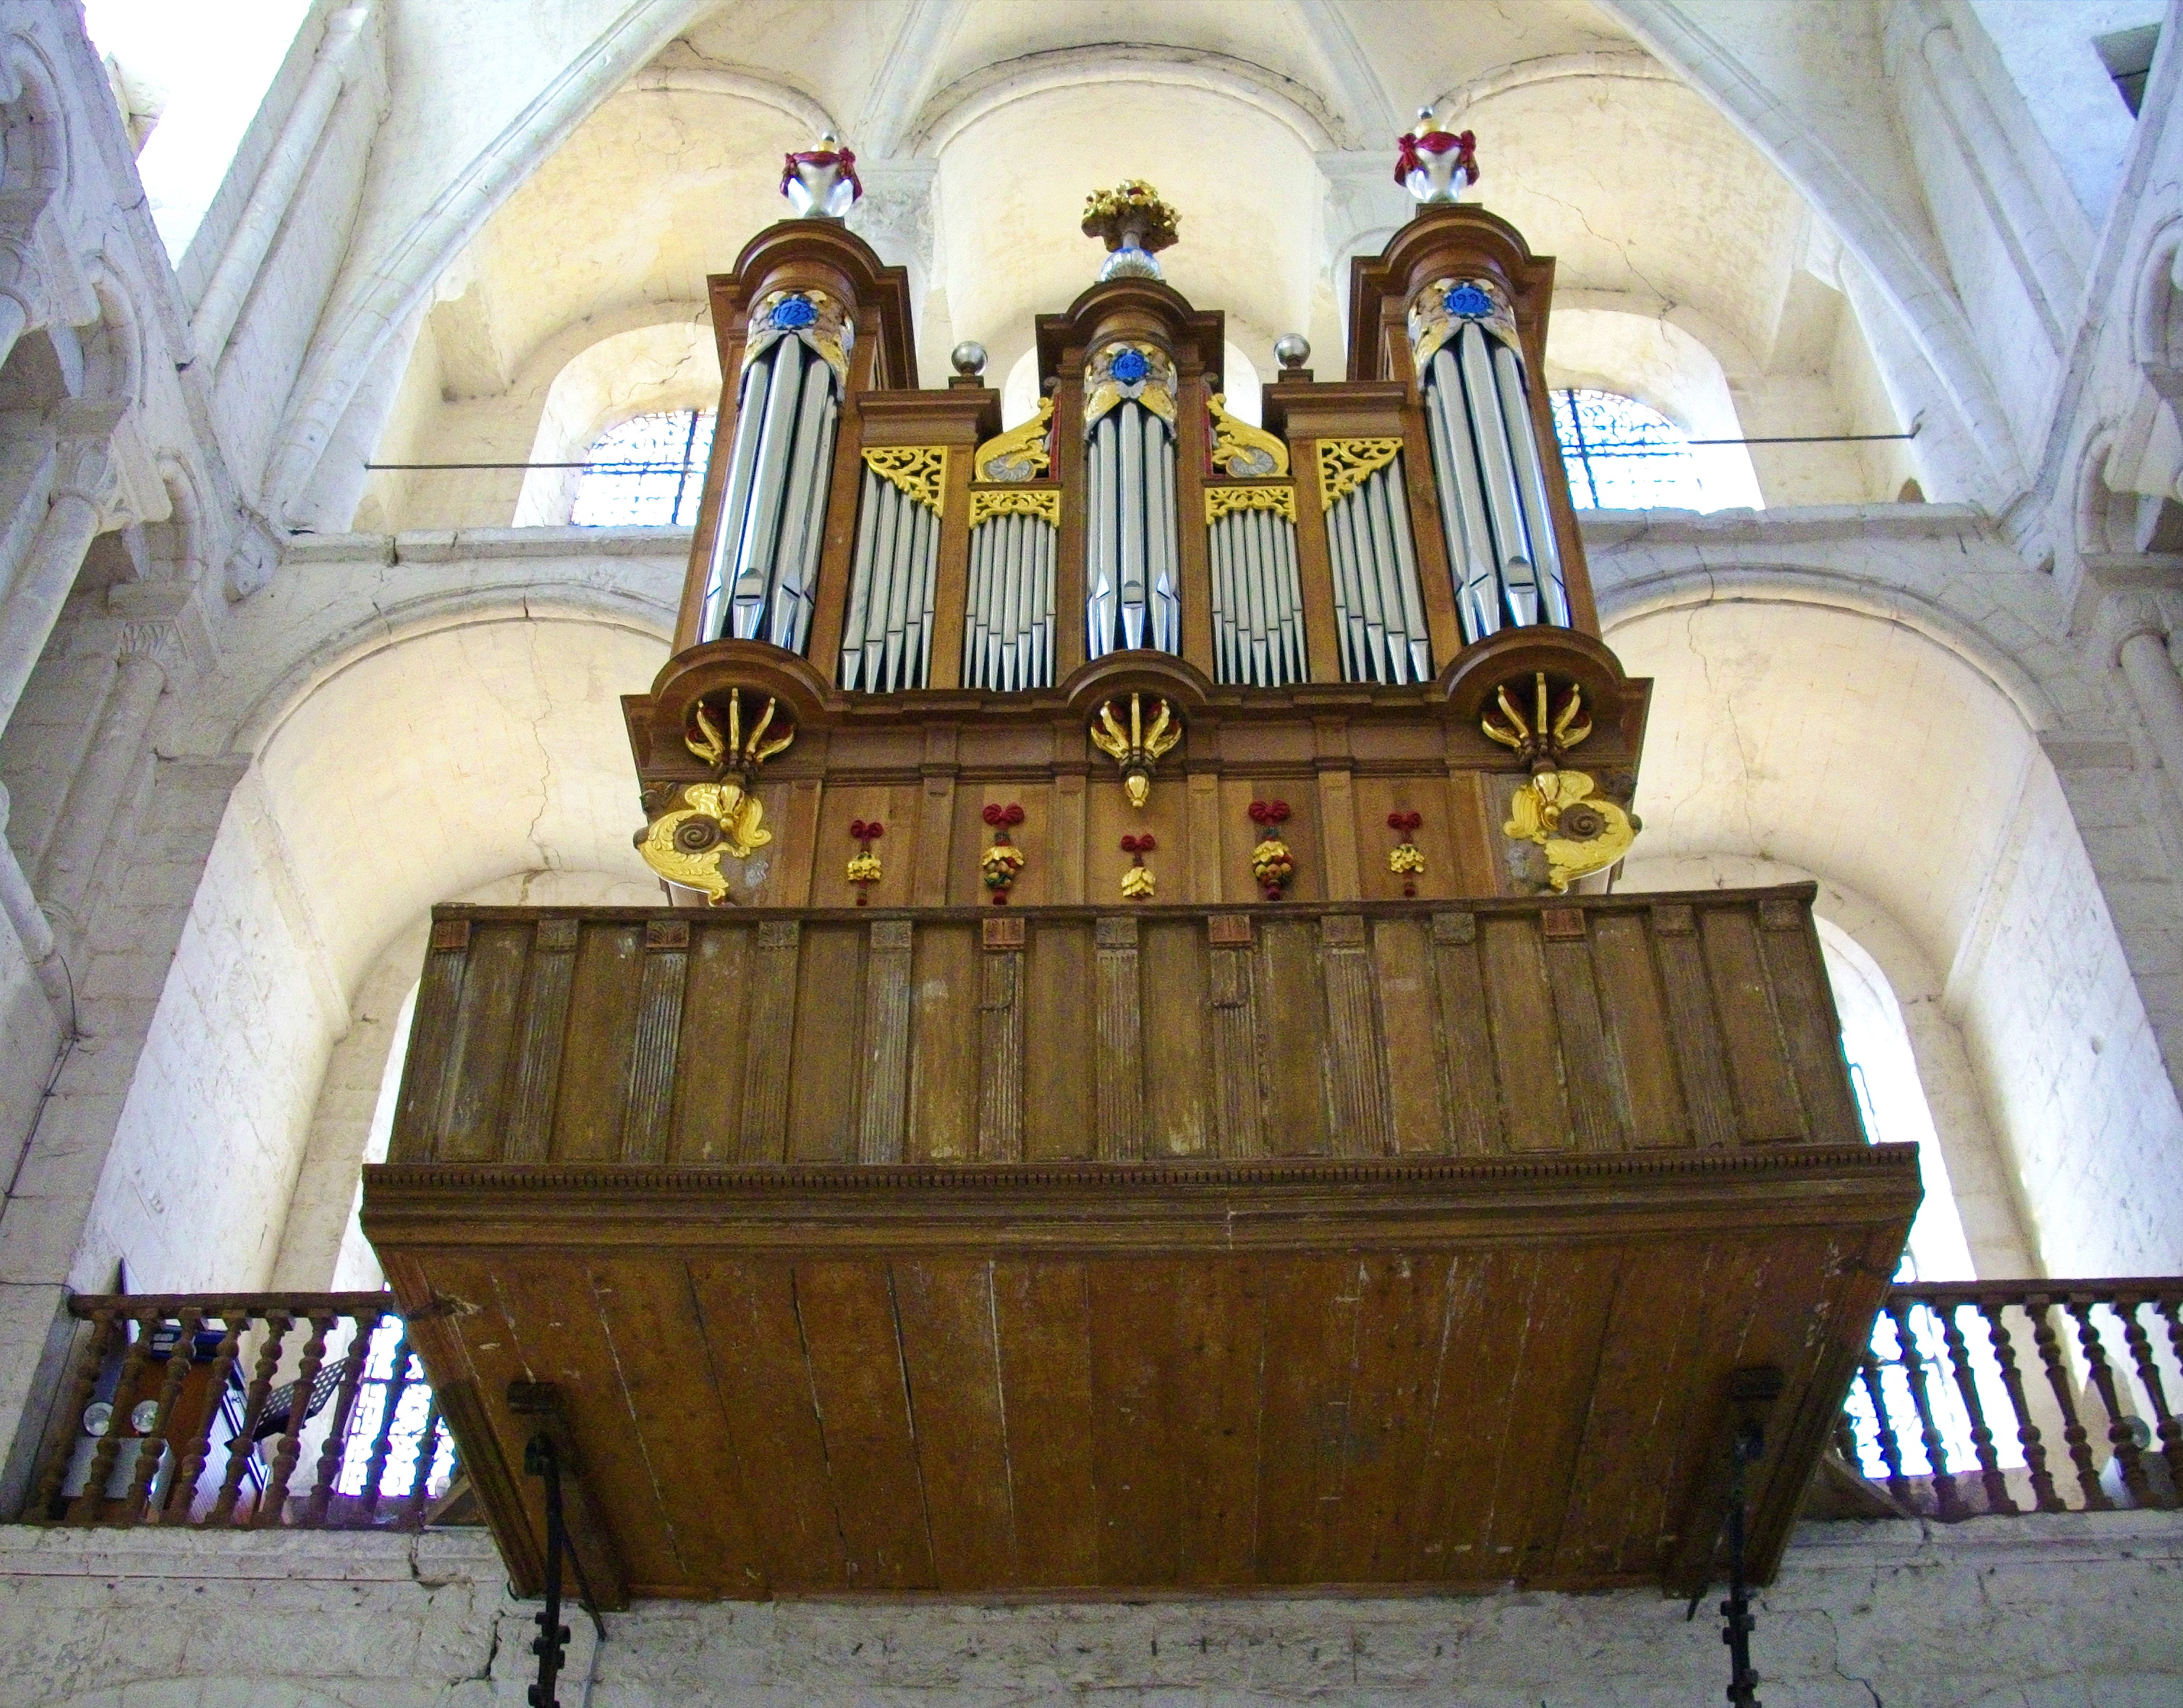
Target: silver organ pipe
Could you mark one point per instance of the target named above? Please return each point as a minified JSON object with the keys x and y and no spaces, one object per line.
{"x":1257,"y":604}
{"x":886,"y":643}
{"x":1008,"y":629}
{"x":766,"y":551}
{"x":1379,"y":610}
{"x":1133,"y":560}
{"x":1486,"y":464}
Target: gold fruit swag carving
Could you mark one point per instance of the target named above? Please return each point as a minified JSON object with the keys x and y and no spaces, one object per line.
{"x":1559,"y":810}
{"x":684,"y":845}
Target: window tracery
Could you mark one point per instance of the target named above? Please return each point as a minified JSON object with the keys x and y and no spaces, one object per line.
{"x":648,"y":472}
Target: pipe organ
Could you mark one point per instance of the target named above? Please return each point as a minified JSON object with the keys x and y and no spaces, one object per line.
{"x":1138,"y":936}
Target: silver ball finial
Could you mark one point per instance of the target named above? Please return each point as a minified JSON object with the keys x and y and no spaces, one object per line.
{"x":1292,"y":349}
{"x":1425,"y":117}
{"x":970,"y":359}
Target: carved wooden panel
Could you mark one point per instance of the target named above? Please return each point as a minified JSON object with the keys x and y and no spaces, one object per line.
{"x":1593,"y":1024}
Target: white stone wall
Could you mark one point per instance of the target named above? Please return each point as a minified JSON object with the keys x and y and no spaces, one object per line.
{"x":2083,"y":1611}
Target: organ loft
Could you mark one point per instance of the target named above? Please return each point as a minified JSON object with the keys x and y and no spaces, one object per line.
{"x":1143,"y":1082}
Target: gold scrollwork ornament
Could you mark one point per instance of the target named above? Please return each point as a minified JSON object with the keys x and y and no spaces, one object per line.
{"x":1239,"y":450}
{"x":684,"y":845}
{"x":1020,"y":453}
{"x":1346,"y":464}
{"x":1579,"y":831}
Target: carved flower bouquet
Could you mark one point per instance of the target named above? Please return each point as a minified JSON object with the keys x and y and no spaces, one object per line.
{"x":1271,"y":863}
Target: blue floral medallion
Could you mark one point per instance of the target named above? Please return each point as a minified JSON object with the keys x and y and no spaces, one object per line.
{"x":792,"y":314}
{"x":1130,"y":366}
{"x":1469,"y":302}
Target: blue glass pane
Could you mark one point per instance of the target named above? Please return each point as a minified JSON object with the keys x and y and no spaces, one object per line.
{"x":1623,"y":456}
{"x":648,"y":473}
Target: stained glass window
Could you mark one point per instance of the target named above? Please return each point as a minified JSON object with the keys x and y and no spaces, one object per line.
{"x":1622,"y":455}
{"x":648,"y":473}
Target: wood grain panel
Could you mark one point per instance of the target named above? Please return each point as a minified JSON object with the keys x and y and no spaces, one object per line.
{"x":650,"y":1321}
{"x":753,"y":1347}
{"x":1700,"y":1052}
{"x":528,"y":1135}
{"x":1057,"y":1028}
{"x":1304,"y":1441}
{"x":1471,"y":1092}
{"x":1046,"y":1384}
{"x":1478,"y":1442}
{"x":714,"y":1053}
{"x":1355,"y":1057}
{"x":1641,"y":1046}
{"x":484,"y":1035}
{"x":423,"y":1071}
{"x":1811,"y":1028}
{"x":1240,"y":1096}
{"x":1550,"y":1396}
{"x":1757,"y":1064}
{"x":883,"y":1105}
{"x":822,"y":1097}
{"x":649,"y":1106}
{"x":1220,"y":1327}
{"x":1118,"y":1071}
{"x":846,"y":1311}
{"x":946,"y":1316}
{"x":945,"y":987}
{"x":1291,"y":1037}
{"x":1001,"y":1000}
{"x":1597,"y":1101}
{"x":1134,"y":1384}
{"x":1178,"y":1113}
{"x":587,"y":1116}
{"x":1403,"y":967}
{"x":1526,"y":1048}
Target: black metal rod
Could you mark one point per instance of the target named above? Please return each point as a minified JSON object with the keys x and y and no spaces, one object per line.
{"x":552,"y":1644}
{"x":1737,"y":1623}
{"x":595,"y":468}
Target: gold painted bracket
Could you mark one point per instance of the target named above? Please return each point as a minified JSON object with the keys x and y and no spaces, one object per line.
{"x":1018,"y":454}
{"x":1045,"y":504}
{"x":1559,"y":722}
{"x":1346,"y":464}
{"x":704,"y":821}
{"x":1581,"y":832}
{"x":919,"y":472}
{"x":1241,"y":450}
{"x":1227,"y":500}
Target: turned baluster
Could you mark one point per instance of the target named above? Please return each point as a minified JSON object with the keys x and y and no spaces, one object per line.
{"x":95,"y":1353}
{"x":1966,"y":1380}
{"x":170,"y":1390}
{"x":1883,"y":1428}
{"x":397,"y":1382}
{"x":428,"y":1451}
{"x":2057,"y":1378}
{"x":2120,"y":1442}
{"x":2043,"y":1492}
{"x":1921,"y":1400}
{"x":277,"y":1324}
{"x":2169,"y":1431}
{"x":331,"y":1456}
{"x":181,"y":1493}
{"x":1846,"y":1447}
{"x":273,"y":1507}
{"x":89,"y":1507}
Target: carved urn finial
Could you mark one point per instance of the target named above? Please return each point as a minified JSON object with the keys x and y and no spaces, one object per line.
{"x":1135,"y":224}
{"x":821,"y":183}
{"x":1435,"y":165}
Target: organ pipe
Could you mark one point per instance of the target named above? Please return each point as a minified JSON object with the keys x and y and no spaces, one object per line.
{"x":1133,"y":568}
{"x":886,"y":643}
{"x":1487,"y":471}
{"x":1379,"y":611}
{"x":1257,"y":607}
{"x":1008,"y":630}
{"x":764,"y":567}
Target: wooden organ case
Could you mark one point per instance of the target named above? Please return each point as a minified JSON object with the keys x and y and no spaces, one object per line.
{"x":1143,"y":1087}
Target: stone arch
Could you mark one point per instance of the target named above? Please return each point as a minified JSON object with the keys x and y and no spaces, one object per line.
{"x":2156,"y":317}
{"x":35,"y":142}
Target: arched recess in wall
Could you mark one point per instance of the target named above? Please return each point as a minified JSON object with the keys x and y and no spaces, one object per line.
{"x":675,"y":365}
{"x":417,"y":770}
{"x":1867,"y":753}
{"x":612,"y":234}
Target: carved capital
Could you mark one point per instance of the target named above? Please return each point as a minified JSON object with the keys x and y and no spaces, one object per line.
{"x":83,"y":453}
{"x":2125,"y":616}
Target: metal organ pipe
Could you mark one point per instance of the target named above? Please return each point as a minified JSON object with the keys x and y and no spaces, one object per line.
{"x":1463,"y":504}
{"x":1490,"y":433}
{"x":1133,"y":574}
{"x":1530,"y":483}
{"x":1258,"y":642}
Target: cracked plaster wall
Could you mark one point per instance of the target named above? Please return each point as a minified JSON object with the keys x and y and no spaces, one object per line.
{"x":2084,"y":1610}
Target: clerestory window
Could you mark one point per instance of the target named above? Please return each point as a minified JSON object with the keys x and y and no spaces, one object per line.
{"x":649,"y":472}
{"x":1622,"y":455}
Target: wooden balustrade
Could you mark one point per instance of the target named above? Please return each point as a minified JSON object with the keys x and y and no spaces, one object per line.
{"x":298,"y":1411}
{"x":1983,"y":1397}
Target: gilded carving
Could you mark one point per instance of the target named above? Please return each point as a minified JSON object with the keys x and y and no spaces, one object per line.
{"x":1044,"y":503}
{"x":918,"y":472}
{"x":1136,"y":750}
{"x":811,"y":316}
{"x":1581,"y":832}
{"x":1439,"y":311}
{"x":1128,"y":370}
{"x":1018,"y":454}
{"x":1226,"y":501}
{"x":1240,"y":449}
{"x":705,"y":820}
{"x":1345,"y":464}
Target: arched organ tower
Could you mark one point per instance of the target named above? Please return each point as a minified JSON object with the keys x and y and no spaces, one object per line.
{"x":1140,"y":931}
